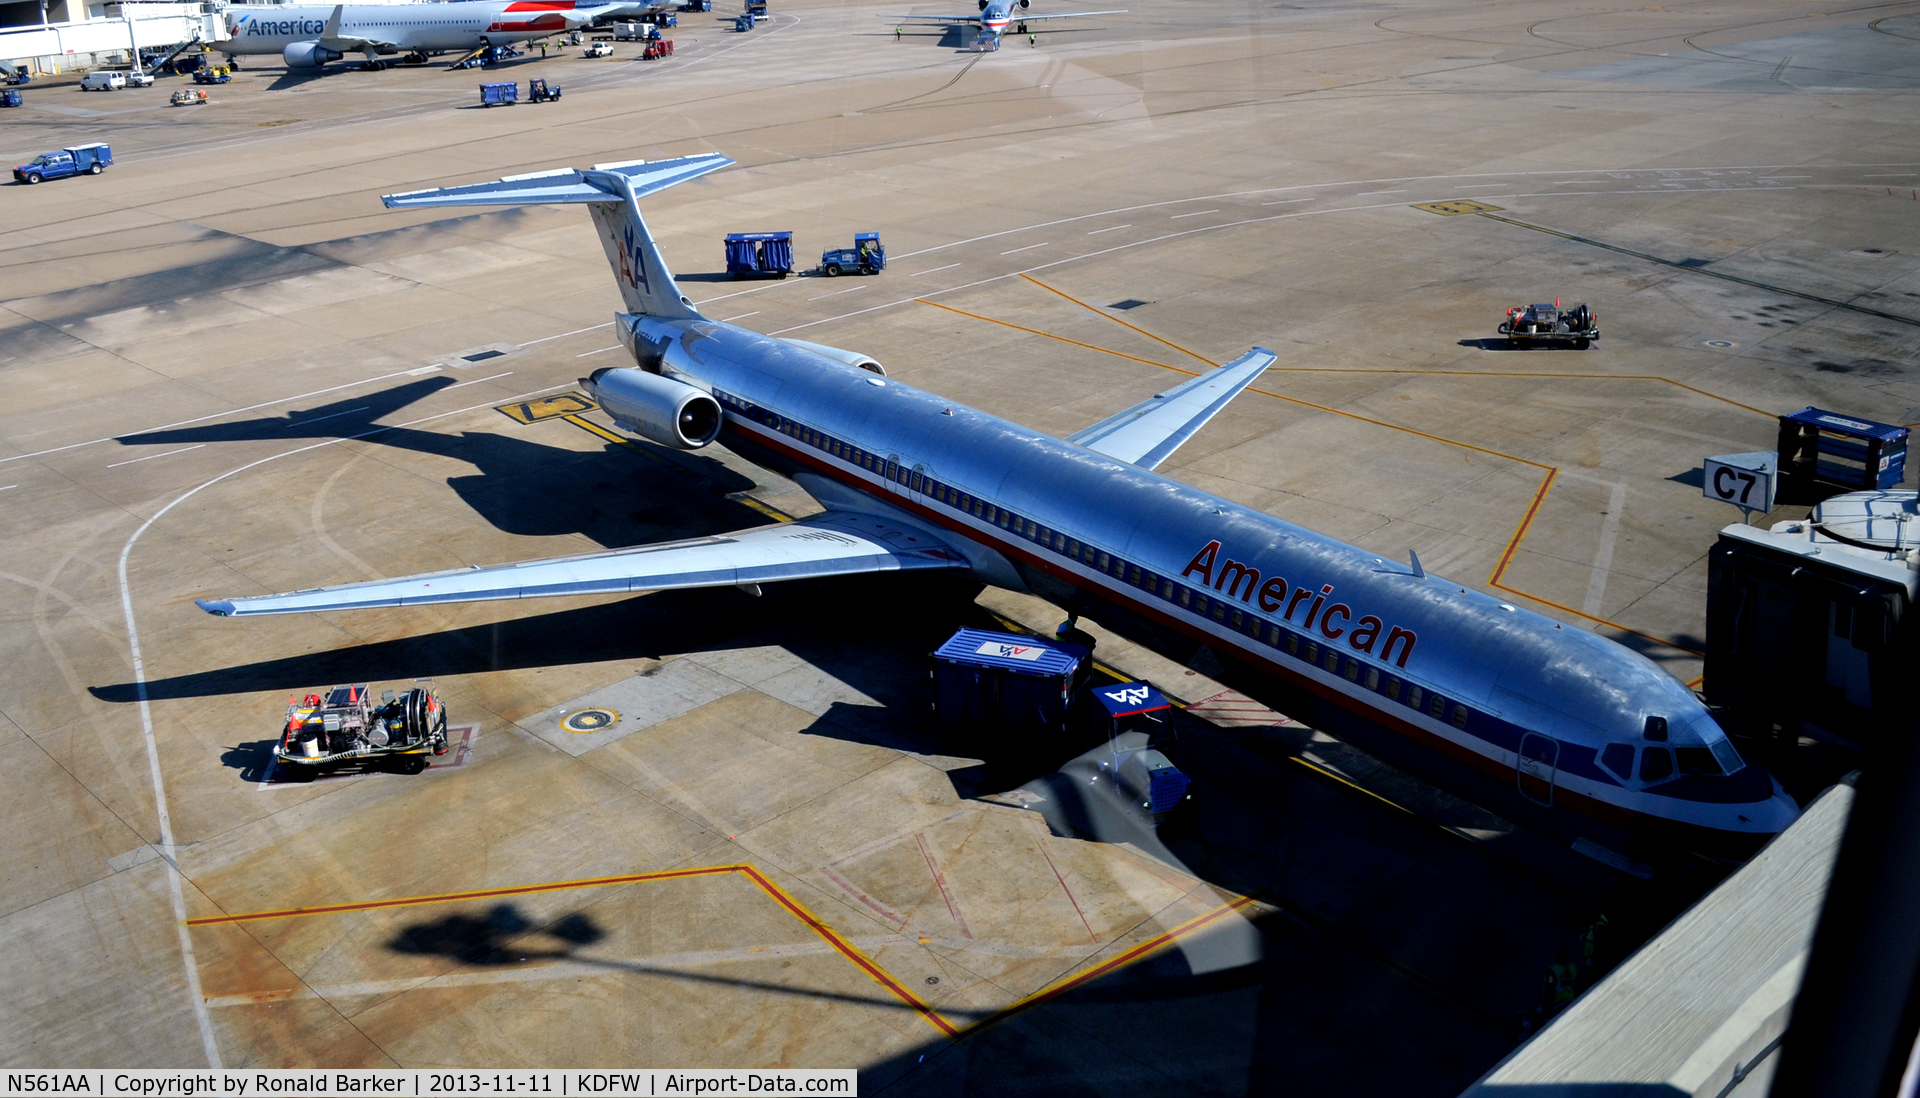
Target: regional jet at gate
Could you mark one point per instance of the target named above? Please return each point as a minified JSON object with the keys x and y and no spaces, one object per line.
{"x":310,"y":37}
{"x":1557,"y":728}
{"x":996,"y":15}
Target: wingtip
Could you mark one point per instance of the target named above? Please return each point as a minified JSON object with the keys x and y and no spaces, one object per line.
{"x":219,"y":608}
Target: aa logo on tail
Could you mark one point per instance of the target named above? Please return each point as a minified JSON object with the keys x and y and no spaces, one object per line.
{"x":633,"y":267}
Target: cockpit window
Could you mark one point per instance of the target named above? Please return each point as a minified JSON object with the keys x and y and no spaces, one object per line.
{"x":1656,"y":729}
{"x":1696,"y":760}
{"x":1618,"y":757}
{"x":1729,"y":759}
{"x":1656,"y":764}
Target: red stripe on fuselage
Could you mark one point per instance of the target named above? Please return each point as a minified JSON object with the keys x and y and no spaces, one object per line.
{"x":1612,"y":815}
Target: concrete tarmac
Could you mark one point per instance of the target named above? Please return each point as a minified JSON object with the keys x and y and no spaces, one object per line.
{"x":228,"y":370}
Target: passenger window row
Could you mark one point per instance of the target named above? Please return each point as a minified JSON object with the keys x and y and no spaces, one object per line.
{"x":1334,"y":660}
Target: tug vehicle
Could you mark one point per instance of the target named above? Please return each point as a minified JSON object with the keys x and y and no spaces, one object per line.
{"x":345,"y":727}
{"x":1550,"y":324}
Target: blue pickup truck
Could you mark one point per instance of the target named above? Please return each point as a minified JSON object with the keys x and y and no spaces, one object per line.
{"x":91,"y":159}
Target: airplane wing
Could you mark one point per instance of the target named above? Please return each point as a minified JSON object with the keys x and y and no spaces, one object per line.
{"x":330,"y":37}
{"x":831,"y":544}
{"x":1150,"y":431}
{"x":974,"y":18}
{"x":1025,"y":17}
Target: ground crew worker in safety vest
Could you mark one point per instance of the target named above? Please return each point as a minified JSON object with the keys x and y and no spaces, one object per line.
{"x":1032,"y":41}
{"x":896,"y":34}
{"x":1591,"y":944}
{"x":1562,"y":983}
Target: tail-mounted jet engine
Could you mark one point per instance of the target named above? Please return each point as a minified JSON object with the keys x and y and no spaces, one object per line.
{"x":671,"y":413}
{"x":308,"y":55}
{"x":851,"y":358}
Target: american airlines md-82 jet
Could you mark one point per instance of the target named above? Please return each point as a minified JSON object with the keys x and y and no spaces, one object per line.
{"x":1557,"y":728}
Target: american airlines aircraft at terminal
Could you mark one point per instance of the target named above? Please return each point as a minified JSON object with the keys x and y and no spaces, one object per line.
{"x":309,"y":37}
{"x":1496,"y":701}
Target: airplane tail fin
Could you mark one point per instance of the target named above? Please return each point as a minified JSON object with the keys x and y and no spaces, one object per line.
{"x":613,"y":192}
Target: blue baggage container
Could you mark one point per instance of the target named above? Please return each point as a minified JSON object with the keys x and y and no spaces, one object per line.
{"x":1817,"y":445}
{"x":505,"y":94}
{"x":766,"y":254}
{"x":998,"y":682}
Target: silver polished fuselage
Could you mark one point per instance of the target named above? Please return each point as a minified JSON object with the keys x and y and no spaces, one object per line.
{"x":1435,"y":676}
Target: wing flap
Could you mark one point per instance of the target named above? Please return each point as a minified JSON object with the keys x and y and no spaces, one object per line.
{"x":833,"y":544}
{"x":1150,"y":431}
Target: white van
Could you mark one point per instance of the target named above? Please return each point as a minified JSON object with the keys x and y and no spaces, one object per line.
{"x":103,"y":81}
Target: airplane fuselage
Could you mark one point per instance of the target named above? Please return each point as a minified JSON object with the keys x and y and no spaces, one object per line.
{"x":1435,"y":677}
{"x":427,"y":28}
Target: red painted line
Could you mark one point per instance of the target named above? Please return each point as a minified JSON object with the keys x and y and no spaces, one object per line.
{"x":852,"y":953}
{"x":940,"y":879}
{"x":1137,"y":953}
{"x":872,"y":904}
{"x":1063,"y":887}
{"x":455,"y":897}
{"x":793,"y":906}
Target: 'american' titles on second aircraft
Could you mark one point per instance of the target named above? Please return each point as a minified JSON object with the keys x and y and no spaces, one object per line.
{"x":1556,"y":728}
{"x":309,"y":37}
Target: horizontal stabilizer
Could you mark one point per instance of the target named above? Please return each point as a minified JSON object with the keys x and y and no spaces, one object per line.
{"x":1150,"y":431}
{"x":831,"y":544}
{"x":567,"y":184}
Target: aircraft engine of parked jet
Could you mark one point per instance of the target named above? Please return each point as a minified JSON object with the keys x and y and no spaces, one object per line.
{"x":308,"y":55}
{"x":851,"y":358}
{"x":669,"y":412}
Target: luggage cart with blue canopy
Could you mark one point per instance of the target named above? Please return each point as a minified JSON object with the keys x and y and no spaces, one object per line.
{"x":1133,"y":715}
{"x":763,"y":255}
{"x":1830,"y":448}
{"x":1004,"y":683}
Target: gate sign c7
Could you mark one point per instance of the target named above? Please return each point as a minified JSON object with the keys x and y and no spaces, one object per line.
{"x":1747,"y":481}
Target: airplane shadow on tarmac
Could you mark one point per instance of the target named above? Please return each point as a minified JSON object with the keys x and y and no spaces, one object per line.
{"x":611,"y":495}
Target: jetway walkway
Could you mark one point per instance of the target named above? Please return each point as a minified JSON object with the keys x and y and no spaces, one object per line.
{"x":56,"y":46}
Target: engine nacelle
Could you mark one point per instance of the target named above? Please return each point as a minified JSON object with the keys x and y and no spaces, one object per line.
{"x":308,"y":55}
{"x":671,"y":413}
{"x":851,"y":358}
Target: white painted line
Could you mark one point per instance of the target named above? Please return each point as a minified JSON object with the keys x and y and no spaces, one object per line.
{"x":329,"y":415}
{"x":564,"y":335}
{"x":423,"y":370}
{"x":1028,"y":248}
{"x":1571,"y":182}
{"x":168,"y":851}
{"x":948,"y":267}
{"x":601,"y":351}
{"x":215,"y":415}
{"x":742,"y":316}
{"x":1491,"y":187}
{"x":836,"y":293}
{"x":1110,"y":228}
{"x":1884,"y":175}
{"x":9,"y":487}
{"x":478,"y":380}
{"x":1195,"y":213}
{"x":1786,"y":177}
{"x":1286,"y":201}
{"x":150,"y":457}
{"x":1364,"y":194}
{"x":1603,"y":554}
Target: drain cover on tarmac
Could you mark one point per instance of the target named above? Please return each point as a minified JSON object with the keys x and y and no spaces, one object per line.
{"x":589,"y":720}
